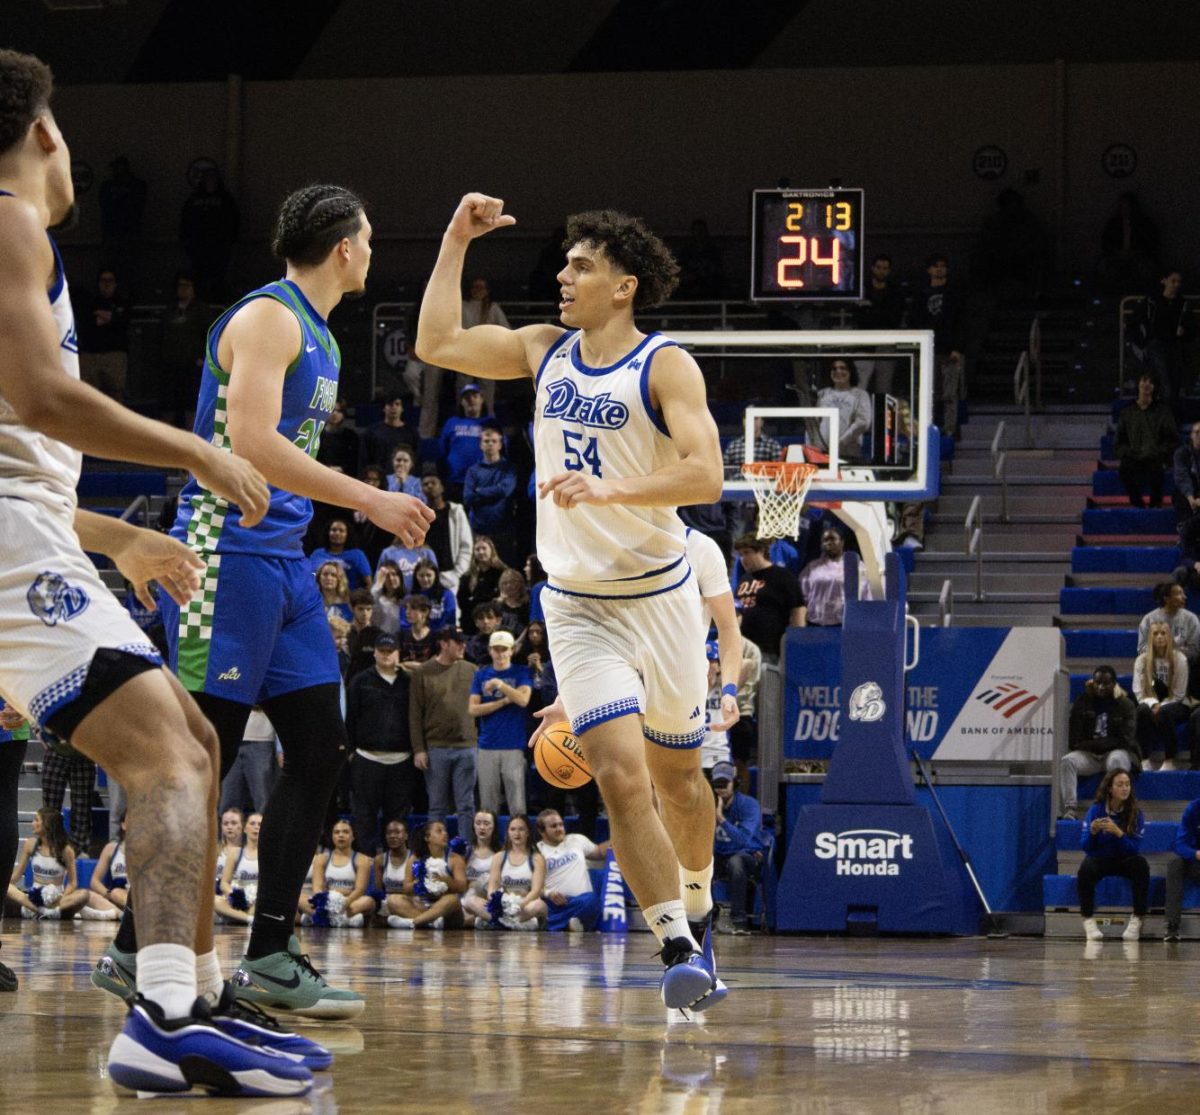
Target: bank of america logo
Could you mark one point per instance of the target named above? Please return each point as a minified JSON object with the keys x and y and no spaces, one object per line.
{"x":1007,"y":699}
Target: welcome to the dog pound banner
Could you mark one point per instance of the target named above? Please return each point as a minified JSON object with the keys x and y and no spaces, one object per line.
{"x":977,"y":693}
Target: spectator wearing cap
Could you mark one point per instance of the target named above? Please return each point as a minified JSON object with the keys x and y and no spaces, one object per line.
{"x":459,"y":445}
{"x":738,"y":845}
{"x":823,"y":582}
{"x":379,"y":442}
{"x":767,"y":596}
{"x":382,"y":772}
{"x":499,"y":696}
{"x":489,"y":492}
{"x":714,"y":747}
{"x":443,"y":730}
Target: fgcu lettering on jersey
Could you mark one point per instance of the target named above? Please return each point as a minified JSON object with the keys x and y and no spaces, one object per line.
{"x":309,"y":395}
{"x":601,"y":411}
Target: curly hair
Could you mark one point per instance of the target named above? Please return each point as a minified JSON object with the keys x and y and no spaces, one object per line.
{"x":26,"y":84}
{"x":312,"y":221}
{"x":632,"y":248}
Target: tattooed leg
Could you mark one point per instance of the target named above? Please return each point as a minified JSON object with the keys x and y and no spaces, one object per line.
{"x":141,"y":734}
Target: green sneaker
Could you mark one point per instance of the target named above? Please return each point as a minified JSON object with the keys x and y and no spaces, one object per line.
{"x":116,"y":973}
{"x":288,"y":982}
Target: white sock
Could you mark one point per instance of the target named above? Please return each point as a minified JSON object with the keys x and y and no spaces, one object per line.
{"x":210,"y":981}
{"x":668,"y":919}
{"x":697,"y":891}
{"x":167,"y":976}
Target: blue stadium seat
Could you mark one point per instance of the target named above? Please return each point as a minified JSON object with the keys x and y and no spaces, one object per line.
{"x":1159,"y":836}
{"x":1124,"y":559}
{"x":1100,"y":642}
{"x":1158,"y":785}
{"x":112,"y":485}
{"x":1060,"y":892}
{"x":1129,"y":520}
{"x":1107,"y":482}
{"x":1105,"y":601}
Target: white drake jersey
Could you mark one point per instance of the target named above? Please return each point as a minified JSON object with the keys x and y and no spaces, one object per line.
{"x":600,"y":420}
{"x":32,"y":466}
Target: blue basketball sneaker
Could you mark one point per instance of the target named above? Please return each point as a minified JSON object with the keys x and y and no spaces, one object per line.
{"x":251,"y":1024}
{"x":153,"y":1055}
{"x":690,"y":981}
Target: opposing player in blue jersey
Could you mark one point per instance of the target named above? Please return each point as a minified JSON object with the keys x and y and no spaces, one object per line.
{"x":256,"y":633}
{"x":622,"y":437}
{"x":71,"y":659}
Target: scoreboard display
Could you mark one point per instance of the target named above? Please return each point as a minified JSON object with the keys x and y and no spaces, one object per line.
{"x":806,"y":245}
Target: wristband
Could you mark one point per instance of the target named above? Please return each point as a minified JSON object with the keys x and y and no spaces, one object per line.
{"x":729,"y":690}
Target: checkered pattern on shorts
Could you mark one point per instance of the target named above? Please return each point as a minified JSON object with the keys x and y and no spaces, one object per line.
{"x":196,"y":616}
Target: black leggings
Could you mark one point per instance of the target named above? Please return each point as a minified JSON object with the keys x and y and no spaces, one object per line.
{"x":1133,"y":868}
{"x":313,"y":736}
{"x":12,"y":755}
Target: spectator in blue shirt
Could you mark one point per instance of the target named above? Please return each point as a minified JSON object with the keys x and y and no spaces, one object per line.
{"x":459,"y":444}
{"x":499,"y":695}
{"x":489,"y":489}
{"x":353,"y":562}
{"x":1111,"y":835}
{"x":1184,"y":868}
{"x":401,"y":478}
{"x":405,"y":559}
{"x":738,"y":845}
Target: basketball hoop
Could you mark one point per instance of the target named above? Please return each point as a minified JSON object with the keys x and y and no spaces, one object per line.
{"x":780,"y":488}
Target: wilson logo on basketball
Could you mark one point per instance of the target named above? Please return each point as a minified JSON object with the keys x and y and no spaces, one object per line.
{"x":1007,"y":699}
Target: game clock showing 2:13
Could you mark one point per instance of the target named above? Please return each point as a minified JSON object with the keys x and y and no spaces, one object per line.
{"x":806,"y":245}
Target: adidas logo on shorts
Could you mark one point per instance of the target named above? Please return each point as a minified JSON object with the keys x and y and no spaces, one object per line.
{"x":232,"y":674}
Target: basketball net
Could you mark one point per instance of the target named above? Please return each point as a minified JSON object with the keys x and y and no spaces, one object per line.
{"x":780,"y":488}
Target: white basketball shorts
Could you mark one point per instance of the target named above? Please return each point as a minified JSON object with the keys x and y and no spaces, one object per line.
{"x":55,"y":612}
{"x":618,"y":656}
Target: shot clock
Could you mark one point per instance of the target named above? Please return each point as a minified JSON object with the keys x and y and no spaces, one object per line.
{"x":806,"y":245}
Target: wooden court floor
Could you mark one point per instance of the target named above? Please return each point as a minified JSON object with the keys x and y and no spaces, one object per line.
{"x":472,"y":1022}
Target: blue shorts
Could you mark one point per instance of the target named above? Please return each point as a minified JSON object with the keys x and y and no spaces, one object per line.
{"x":256,"y":630}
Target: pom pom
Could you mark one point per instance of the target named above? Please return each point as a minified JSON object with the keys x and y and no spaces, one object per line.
{"x":35,"y":896}
{"x":120,"y":882}
{"x":336,"y":903}
{"x":511,"y":905}
{"x":418,"y":874}
{"x":51,"y":896}
{"x":435,"y":888}
{"x":495,"y":906}
{"x":238,"y":900}
{"x":251,"y":891}
{"x":459,"y":847}
{"x":320,"y":905}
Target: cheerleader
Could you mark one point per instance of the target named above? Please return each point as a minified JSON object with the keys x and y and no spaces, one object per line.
{"x":434,"y":881}
{"x":110,"y":879}
{"x":479,"y":866}
{"x":55,"y":893}
{"x":340,"y":880}
{"x":389,"y":867}
{"x":515,"y":882}
{"x":232,"y":827}
{"x":238,"y":888}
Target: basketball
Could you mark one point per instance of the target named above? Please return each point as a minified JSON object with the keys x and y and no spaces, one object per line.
{"x":559,"y":758}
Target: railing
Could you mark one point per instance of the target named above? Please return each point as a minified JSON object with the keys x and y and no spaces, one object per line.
{"x":142,"y":504}
{"x":1000,"y":469}
{"x":1035,"y":357}
{"x":1125,"y":310}
{"x":946,"y":604}
{"x":973,"y":542}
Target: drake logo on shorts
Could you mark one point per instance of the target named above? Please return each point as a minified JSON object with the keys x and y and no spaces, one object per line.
{"x":51,"y":599}
{"x":600,"y":412}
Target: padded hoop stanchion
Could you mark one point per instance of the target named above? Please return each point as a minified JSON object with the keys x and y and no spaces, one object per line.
{"x":780,"y":488}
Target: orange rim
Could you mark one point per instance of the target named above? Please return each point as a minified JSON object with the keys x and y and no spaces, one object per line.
{"x":789,"y":476}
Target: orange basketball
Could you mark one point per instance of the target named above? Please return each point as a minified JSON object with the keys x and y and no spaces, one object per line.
{"x":559,"y":758}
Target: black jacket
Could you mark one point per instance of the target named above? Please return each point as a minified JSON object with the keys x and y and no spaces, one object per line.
{"x":377,"y":712}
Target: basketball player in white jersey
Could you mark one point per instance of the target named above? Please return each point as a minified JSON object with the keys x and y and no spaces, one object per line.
{"x":622,"y":438}
{"x":71,"y":658}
